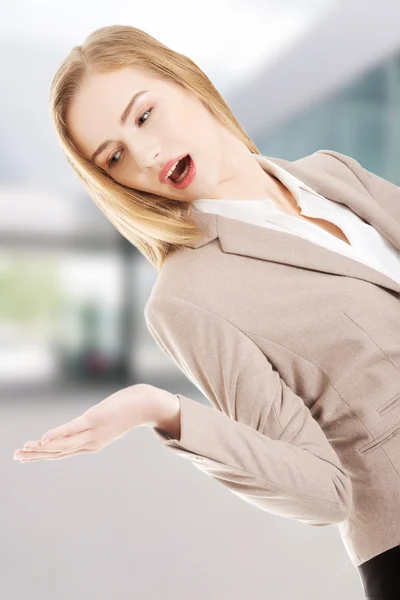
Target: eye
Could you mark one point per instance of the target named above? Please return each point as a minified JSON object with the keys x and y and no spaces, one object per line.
{"x":146,"y":111}
{"x":112,"y":163}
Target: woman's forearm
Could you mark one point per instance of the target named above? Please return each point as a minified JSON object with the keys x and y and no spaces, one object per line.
{"x":165,"y":412}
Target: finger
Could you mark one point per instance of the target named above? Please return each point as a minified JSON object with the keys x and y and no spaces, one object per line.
{"x":57,"y":456}
{"x":81,"y":423}
{"x":43,"y":453}
{"x":57,"y":445}
{"x":68,"y":443}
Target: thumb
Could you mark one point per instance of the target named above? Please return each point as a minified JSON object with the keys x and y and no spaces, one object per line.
{"x":73,"y":427}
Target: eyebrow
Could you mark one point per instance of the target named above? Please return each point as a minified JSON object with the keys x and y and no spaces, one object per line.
{"x":122,"y":121}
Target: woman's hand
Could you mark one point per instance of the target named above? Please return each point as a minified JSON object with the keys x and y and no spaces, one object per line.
{"x":103,"y":423}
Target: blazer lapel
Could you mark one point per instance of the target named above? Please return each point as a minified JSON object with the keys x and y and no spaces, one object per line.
{"x":239,"y":237}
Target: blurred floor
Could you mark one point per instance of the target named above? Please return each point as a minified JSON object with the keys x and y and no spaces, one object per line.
{"x":135,"y":521}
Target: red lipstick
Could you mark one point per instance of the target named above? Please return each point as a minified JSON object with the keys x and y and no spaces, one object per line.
{"x":191,"y":172}
{"x":166,"y":167}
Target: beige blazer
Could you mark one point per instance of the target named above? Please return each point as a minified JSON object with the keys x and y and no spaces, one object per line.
{"x":297,"y":348}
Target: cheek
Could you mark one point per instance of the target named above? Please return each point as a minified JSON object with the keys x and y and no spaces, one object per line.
{"x":131,"y":179}
{"x":188,"y":123}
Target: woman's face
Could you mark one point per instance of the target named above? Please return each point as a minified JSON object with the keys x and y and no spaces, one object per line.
{"x":165,"y":122}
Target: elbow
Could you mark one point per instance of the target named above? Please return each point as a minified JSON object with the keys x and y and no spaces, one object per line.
{"x":341,"y":514}
{"x":344,"y":496}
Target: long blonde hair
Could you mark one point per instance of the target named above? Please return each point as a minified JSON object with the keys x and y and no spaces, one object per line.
{"x":156,"y":226}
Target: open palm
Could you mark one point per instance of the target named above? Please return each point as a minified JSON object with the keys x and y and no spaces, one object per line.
{"x":96,"y":428}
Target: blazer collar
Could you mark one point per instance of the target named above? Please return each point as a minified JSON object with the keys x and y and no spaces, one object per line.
{"x":247,"y":239}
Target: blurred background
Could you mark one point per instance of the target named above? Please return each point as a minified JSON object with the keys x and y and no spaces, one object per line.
{"x":133,"y":520}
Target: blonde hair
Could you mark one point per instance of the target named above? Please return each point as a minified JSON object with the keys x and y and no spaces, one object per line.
{"x":156,"y":226}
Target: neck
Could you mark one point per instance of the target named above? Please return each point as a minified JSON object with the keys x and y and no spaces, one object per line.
{"x":244,"y":178}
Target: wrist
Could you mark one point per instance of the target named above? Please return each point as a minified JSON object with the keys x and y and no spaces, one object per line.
{"x":164,"y":411}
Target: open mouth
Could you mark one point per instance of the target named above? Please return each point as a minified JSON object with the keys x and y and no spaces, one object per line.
{"x":181,"y":170}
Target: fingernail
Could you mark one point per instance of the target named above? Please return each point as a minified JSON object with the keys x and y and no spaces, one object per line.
{"x":44,"y":442}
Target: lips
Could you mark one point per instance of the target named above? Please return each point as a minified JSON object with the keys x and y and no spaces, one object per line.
{"x":166,"y":167}
{"x":190,"y":170}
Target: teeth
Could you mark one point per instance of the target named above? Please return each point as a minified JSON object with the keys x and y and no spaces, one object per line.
{"x":172,"y":169}
{"x":182,"y":177}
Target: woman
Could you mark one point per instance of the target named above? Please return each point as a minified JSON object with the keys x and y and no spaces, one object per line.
{"x":277,"y":295}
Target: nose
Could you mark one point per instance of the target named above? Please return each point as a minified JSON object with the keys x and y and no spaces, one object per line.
{"x":145,"y":158}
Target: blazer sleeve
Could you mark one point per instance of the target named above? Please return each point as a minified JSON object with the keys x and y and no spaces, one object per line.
{"x":258,"y":438}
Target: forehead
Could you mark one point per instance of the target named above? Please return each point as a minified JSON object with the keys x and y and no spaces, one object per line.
{"x":94,"y":113}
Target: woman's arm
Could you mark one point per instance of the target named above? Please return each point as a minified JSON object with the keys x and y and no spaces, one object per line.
{"x":258,"y":438}
{"x":165,"y":411}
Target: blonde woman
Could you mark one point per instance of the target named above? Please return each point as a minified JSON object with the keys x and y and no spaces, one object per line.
{"x":277,"y":295}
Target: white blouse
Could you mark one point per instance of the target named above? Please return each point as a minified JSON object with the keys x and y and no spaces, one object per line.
{"x":368,"y":246}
